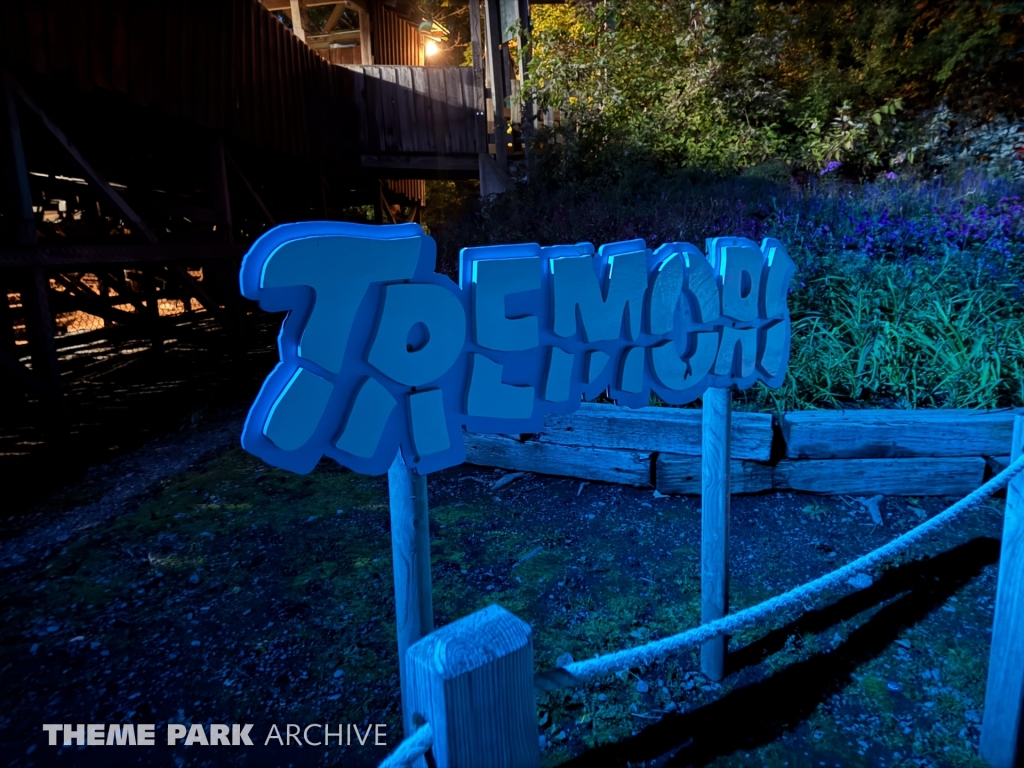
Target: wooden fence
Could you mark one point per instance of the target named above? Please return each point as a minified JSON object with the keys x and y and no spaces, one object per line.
{"x":908,"y":453}
{"x":471,"y":681}
{"x":425,"y":111}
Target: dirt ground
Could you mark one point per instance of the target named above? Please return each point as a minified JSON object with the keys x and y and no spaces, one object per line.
{"x":188,"y":582}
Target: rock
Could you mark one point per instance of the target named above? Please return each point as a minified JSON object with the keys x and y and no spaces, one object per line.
{"x":642,"y":687}
{"x":194,"y":578}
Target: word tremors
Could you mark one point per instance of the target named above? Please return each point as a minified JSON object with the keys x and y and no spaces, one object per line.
{"x":380,"y":353}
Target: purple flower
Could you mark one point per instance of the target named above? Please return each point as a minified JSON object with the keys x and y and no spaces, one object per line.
{"x":833,"y":165}
{"x":890,"y":175}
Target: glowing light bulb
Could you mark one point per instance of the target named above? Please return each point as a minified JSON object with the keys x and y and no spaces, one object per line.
{"x":431,"y":48}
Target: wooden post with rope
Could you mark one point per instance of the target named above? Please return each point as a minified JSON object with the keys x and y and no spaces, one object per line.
{"x":1002,"y":725}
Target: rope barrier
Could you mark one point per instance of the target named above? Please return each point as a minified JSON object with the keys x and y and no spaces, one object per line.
{"x":411,"y":749}
{"x":581,"y":672}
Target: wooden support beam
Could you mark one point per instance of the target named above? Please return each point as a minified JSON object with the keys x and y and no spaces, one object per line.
{"x":18,"y":193}
{"x":365,"y":41}
{"x":333,"y":19}
{"x":300,"y":19}
{"x":885,"y":434}
{"x":472,"y":681}
{"x":714,"y":507}
{"x":152,"y":298}
{"x":1002,"y":724}
{"x":496,"y":77}
{"x":90,"y":173}
{"x":952,"y":476}
{"x":39,"y":324}
{"x":421,"y":163}
{"x":410,"y":547}
{"x":673,"y":430}
{"x":321,"y":41}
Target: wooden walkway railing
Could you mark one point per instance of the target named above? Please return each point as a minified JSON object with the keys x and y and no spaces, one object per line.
{"x":418,"y":118}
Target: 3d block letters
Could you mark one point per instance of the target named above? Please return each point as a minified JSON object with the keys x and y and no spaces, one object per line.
{"x":379,"y":353}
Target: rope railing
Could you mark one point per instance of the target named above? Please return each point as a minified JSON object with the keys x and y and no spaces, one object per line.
{"x":581,"y":672}
{"x":410,"y":749}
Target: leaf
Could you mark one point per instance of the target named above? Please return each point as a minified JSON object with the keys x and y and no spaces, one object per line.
{"x":877,"y":118}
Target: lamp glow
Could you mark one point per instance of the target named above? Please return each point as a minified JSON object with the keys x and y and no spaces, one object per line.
{"x":432,"y":48}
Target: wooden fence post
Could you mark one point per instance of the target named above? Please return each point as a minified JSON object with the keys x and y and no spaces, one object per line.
{"x":410,"y":550}
{"x":714,"y":505}
{"x":1002,"y":725}
{"x":472,"y":680}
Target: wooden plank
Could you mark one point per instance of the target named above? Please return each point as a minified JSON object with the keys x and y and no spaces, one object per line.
{"x":79,"y":14}
{"x":420,"y":166}
{"x":86,"y":255}
{"x":155,"y":41}
{"x":949,"y":476}
{"x":171,"y":63}
{"x":365,"y":44}
{"x":410,"y":130}
{"x":675,"y":474}
{"x":714,"y":527}
{"x":601,"y":464}
{"x":119,"y":46}
{"x":880,"y":434}
{"x":472,"y":681}
{"x":186,"y":65}
{"x":1002,"y":725}
{"x":58,"y":36}
{"x":410,"y":547}
{"x":393,"y":139}
{"x":199,"y":70}
{"x":457,"y":133}
{"x":99,"y":44}
{"x":673,"y":430}
{"x":424,"y":109}
{"x":374,"y":108}
{"x":35,"y":28}
{"x":138,"y":17}
{"x":472,"y":97}
{"x":438,"y":109}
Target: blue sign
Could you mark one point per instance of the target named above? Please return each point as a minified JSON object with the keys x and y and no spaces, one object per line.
{"x":379,"y":353}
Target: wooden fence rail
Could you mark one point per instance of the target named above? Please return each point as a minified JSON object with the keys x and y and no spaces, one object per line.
{"x":901,"y":453}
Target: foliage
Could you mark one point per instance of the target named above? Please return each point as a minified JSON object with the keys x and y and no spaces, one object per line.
{"x":907,"y":292}
{"x":727,"y":84}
